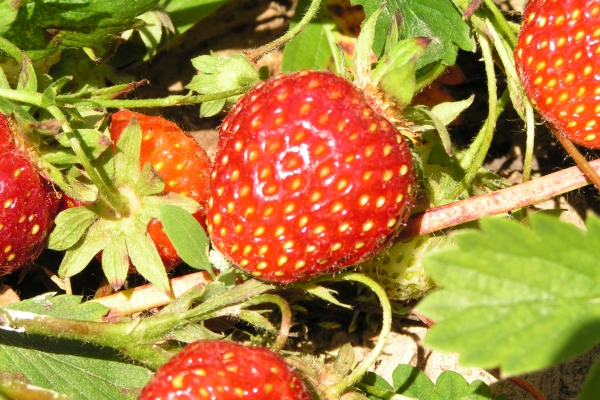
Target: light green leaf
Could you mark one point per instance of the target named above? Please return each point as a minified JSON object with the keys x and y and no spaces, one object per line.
{"x":8,"y":13}
{"x":70,"y":225}
{"x":63,"y":306}
{"x":79,"y":256}
{"x":320,"y":292}
{"x":23,"y":391}
{"x":313,"y":37}
{"x":517,"y":298}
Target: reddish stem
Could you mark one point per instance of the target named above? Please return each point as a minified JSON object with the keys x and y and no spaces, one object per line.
{"x":511,"y":198}
{"x":523,"y":384}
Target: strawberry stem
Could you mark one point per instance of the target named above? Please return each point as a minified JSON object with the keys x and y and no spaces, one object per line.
{"x":258,"y":53}
{"x":386,"y":326}
{"x":576,"y":155}
{"x":106,"y":189}
{"x":499,"y":19}
{"x":504,"y":200}
{"x":286,"y":316}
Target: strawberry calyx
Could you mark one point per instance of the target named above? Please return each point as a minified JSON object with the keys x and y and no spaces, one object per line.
{"x":121,"y":234}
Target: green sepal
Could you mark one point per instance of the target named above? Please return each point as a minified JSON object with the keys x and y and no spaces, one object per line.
{"x":212,"y":108}
{"x":149,"y":182}
{"x":115,"y":261}
{"x":127,"y":154}
{"x":69,"y":227}
{"x":150,"y":206}
{"x":219,"y":73}
{"x":93,"y":142}
{"x":79,"y":256}
{"x":187,"y":236}
{"x":145,"y":257}
{"x":362,"y":51}
{"x":395,"y":72}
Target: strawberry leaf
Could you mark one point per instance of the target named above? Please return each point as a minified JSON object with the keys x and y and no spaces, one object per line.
{"x":53,"y":26}
{"x":519,"y":298}
{"x":186,"y":13}
{"x":315,"y":36}
{"x":63,"y":306}
{"x":19,"y":390}
{"x":187,"y":236}
{"x":8,"y":13}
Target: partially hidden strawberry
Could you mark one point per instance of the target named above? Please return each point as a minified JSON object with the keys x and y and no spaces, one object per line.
{"x":178,"y":159}
{"x":152,"y":163}
{"x":309,"y":178}
{"x":220,"y":370}
{"x":28,"y":204}
{"x":557,"y":59}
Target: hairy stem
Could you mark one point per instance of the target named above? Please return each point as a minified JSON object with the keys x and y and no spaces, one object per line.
{"x":504,"y":200}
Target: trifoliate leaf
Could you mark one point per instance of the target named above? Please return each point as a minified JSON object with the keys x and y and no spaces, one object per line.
{"x":517,"y":298}
{"x":70,"y":225}
{"x":187,"y":236}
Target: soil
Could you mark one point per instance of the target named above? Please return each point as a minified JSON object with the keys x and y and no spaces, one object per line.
{"x":245,"y":24}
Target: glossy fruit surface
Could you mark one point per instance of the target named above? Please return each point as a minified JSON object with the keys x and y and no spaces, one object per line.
{"x":178,"y":159}
{"x":308,"y":179}
{"x":558,"y":60}
{"x":220,"y":370}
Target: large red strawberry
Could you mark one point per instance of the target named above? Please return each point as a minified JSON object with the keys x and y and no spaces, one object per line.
{"x":178,"y":159}
{"x":558,"y":58}
{"x":308,"y":178}
{"x":28,"y":205}
{"x":220,"y":370}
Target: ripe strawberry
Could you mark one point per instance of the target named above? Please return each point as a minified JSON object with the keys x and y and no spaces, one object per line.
{"x":28,"y":204}
{"x":220,"y":370}
{"x":557,"y":61}
{"x":308,"y":178}
{"x":178,"y":159}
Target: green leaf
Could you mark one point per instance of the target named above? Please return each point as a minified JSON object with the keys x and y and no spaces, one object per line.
{"x":187,"y":236}
{"x":63,"y":306}
{"x":186,"y":13}
{"x":76,"y":369}
{"x":591,"y":386}
{"x":70,"y":225}
{"x":320,"y":292}
{"x":412,"y":382}
{"x":211,"y":108}
{"x":314,"y":37}
{"x":439,"y":20}
{"x":517,"y":298}
{"x":44,"y":27}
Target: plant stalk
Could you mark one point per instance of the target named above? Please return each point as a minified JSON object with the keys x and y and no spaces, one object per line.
{"x":501,"y":201}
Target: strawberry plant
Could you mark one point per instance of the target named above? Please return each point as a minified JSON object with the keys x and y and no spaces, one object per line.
{"x":349,"y":186}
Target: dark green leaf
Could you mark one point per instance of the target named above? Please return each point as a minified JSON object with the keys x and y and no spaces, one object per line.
{"x":518,"y":298}
{"x":44,"y":27}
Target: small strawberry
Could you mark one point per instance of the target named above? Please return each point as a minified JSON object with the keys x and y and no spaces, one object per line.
{"x":308,"y":178}
{"x":557,"y":58}
{"x":400,"y":270}
{"x":220,"y":370}
{"x":28,"y":204}
{"x":178,"y":159}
